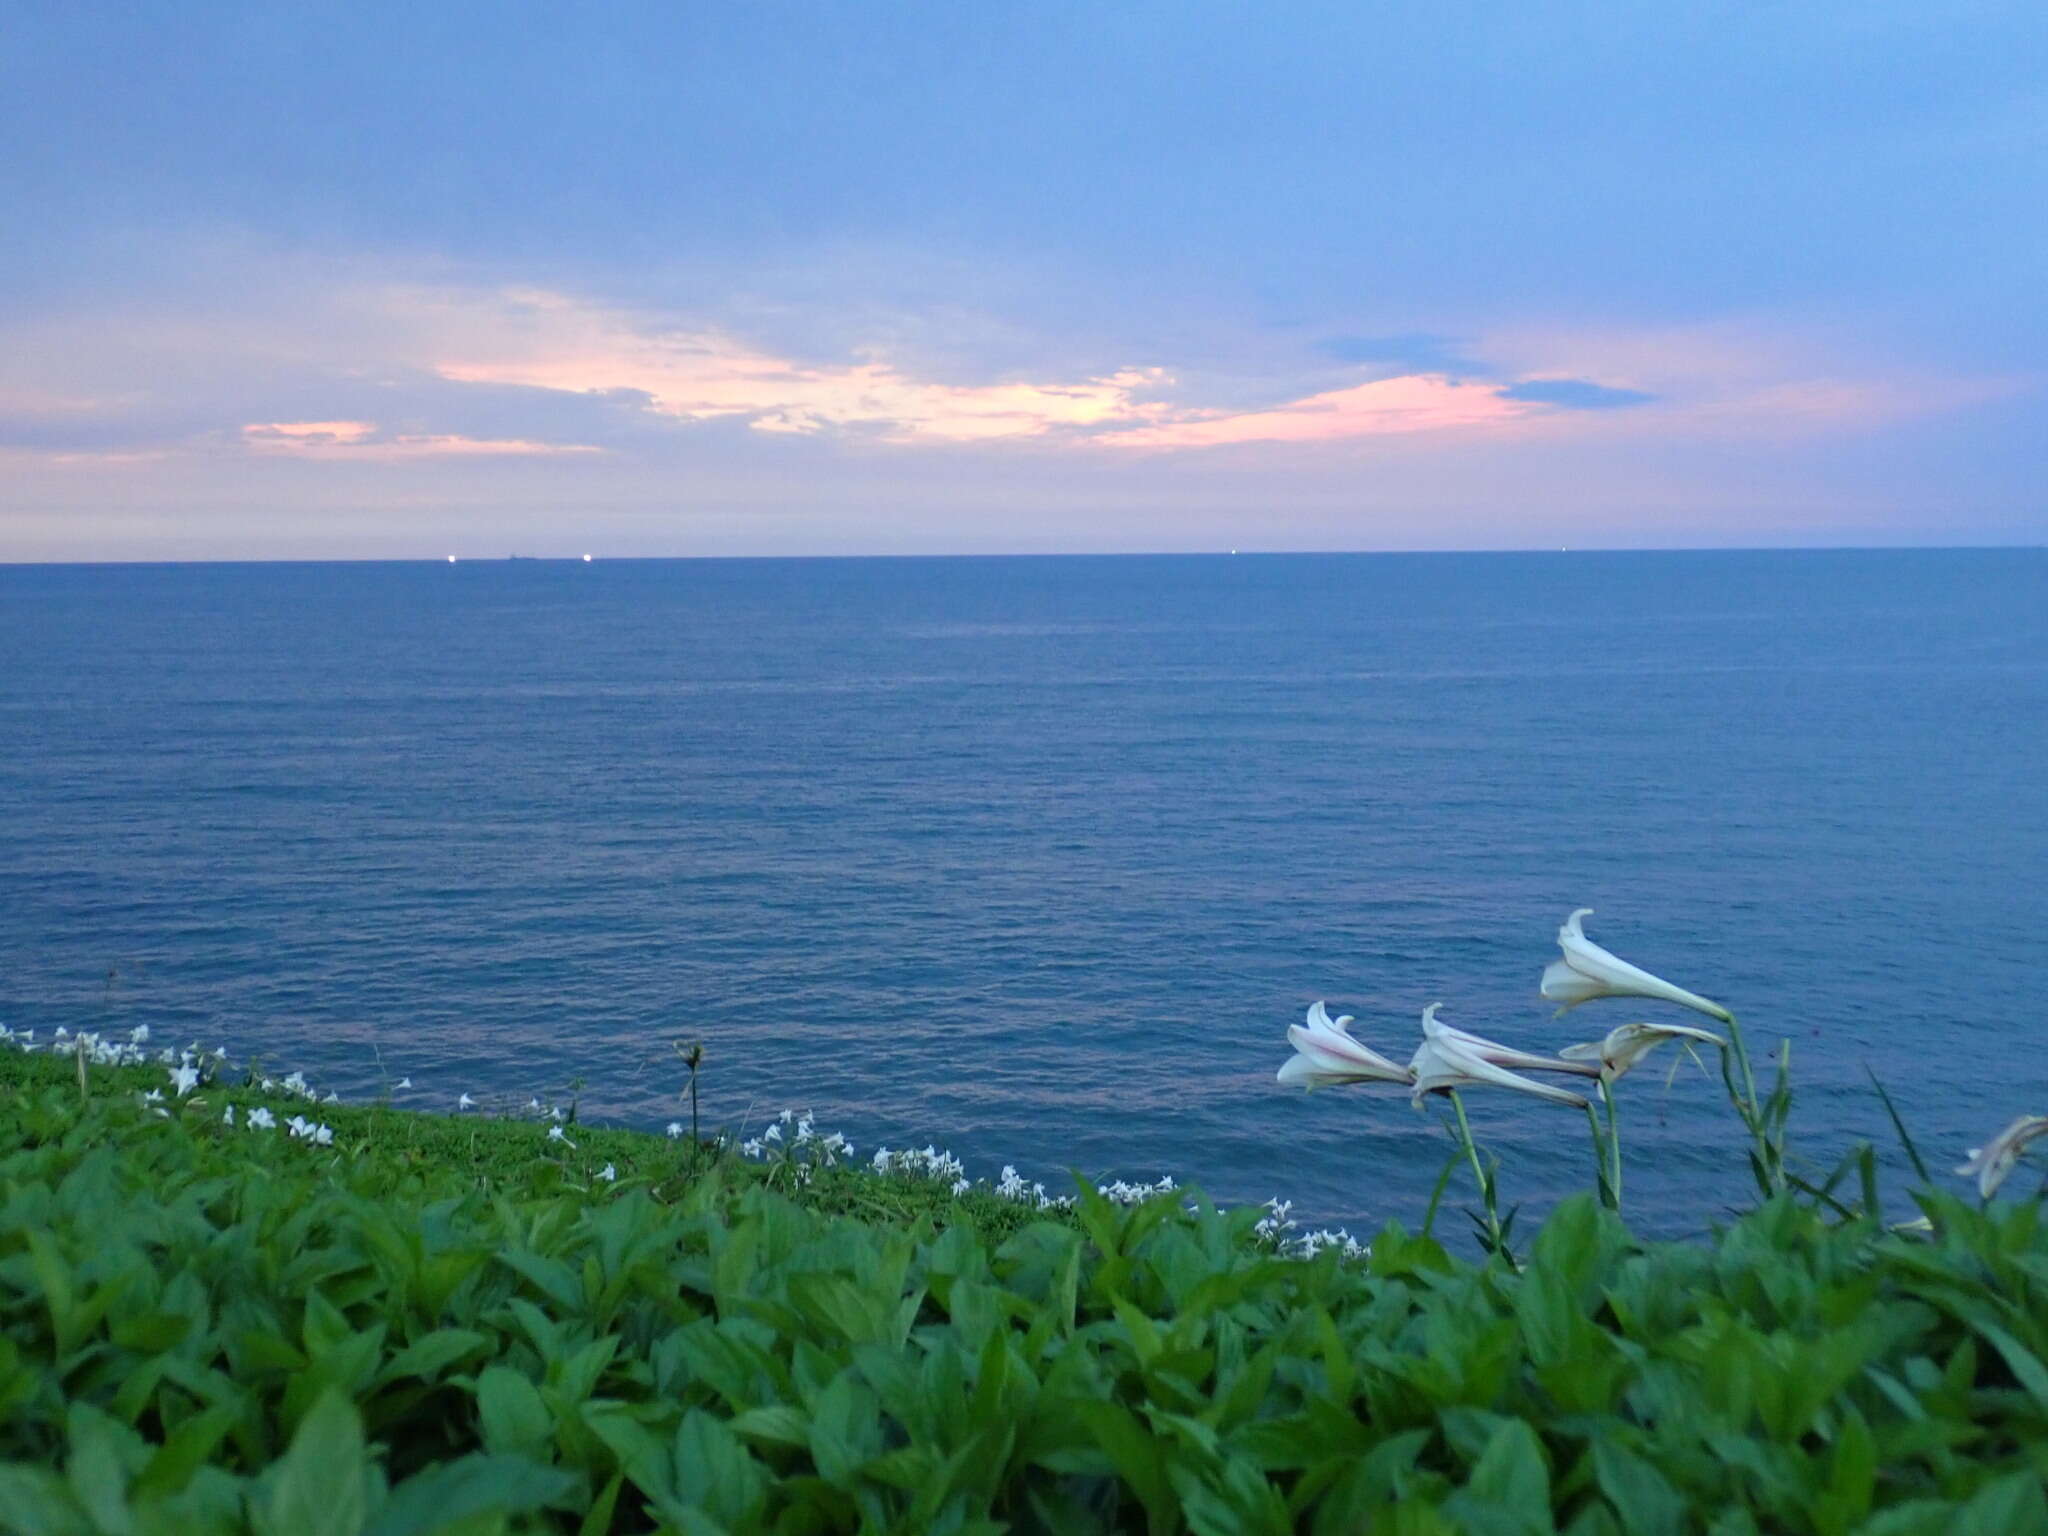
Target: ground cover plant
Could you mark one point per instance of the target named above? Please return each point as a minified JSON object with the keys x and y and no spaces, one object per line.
{"x":442,"y":1324}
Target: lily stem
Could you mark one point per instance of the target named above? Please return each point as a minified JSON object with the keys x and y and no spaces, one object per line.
{"x":1613,"y":1138}
{"x":1607,"y":1150}
{"x":1600,"y":1158}
{"x":1493,"y":1233}
{"x":1770,"y":1171}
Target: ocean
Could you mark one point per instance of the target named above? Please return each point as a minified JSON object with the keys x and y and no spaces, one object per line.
{"x":1035,"y":859}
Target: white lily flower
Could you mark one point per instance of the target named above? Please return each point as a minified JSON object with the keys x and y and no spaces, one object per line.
{"x":185,"y":1079}
{"x":1630,"y":1043}
{"x":675,"y":1130}
{"x":323,"y":1135}
{"x":608,"y":1173}
{"x":465,"y":1102}
{"x":299,"y":1125}
{"x":154,"y":1096}
{"x":1992,"y":1163}
{"x":261,"y":1119}
{"x":403,"y":1082}
{"x":139,"y":1035}
{"x":1587,"y":971}
{"x":227,"y":1116}
{"x":1325,"y":1053}
{"x":556,"y":1133}
{"x":1451,"y":1058}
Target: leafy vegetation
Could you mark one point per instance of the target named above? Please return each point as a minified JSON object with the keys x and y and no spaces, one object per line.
{"x":451,"y":1325}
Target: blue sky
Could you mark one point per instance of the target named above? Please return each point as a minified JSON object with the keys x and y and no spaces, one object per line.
{"x":376,"y":281}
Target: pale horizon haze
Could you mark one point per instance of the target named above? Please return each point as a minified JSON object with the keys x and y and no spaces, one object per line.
{"x":383,"y":282}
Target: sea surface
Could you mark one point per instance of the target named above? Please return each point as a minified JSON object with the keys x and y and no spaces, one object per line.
{"x":1036,"y":859}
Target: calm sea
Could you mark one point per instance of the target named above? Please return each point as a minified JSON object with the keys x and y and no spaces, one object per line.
{"x":1037,"y":858}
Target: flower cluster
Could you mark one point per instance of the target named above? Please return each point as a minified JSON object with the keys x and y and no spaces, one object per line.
{"x":1277,"y":1227}
{"x":298,"y":1127}
{"x":931,"y":1163}
{"x":794,"y":1140}
{"x":1011,"y":1186}
{"x":1117,"y":1192}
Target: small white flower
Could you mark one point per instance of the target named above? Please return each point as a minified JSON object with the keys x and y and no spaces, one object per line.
{"x":608,"y":1173}
{"x":787,"y":1116}
{"x":773,"y":1133}
{"x":261,"y":1119}
{"x":185,"y":1079}
{"x":1992,"y":1163}
{"x":465,"y":1102}
{"x":299,"y":1125}
{"x":403,"y":1082}
{"x":323,"y":1136}
{"x":296,"y":1083}
{"x":960,"y":1186}
{"x":556,"y":1133}
{"x":154,"y":1096}
{"x":555,"y":1114}
{"x":752,"y":1148}
{"x":139,"y":1035}
{"x":332,"y":1098}
{"x":675,"y":1130}
{"x":1587,"y":971}
{"x":534,"y":1105}
{"x":227,"y":1116}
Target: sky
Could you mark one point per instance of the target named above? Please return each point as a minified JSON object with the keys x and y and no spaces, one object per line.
{"x":319,"y":281}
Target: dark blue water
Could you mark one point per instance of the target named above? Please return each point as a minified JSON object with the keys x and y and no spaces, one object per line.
{"x":1037,"y":858}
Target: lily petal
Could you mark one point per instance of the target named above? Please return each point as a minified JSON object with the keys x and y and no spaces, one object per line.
{"x":1992,"y":1163}
{"x":1445,"y":1061}
{"x":1587,"y":971}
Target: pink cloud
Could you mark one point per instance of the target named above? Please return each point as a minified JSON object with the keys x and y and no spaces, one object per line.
{"x":356,"y":441}
{"x":547,"y":341}
{"x":1418,"y":402}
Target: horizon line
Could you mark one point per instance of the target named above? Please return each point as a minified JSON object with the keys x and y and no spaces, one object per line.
{"x":1131,"y":554}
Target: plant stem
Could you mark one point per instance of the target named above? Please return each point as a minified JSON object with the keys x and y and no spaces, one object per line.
{"x":1613,"y":1139}
{"x":1770,"y":1172}
{"x":1605,"y":1156}
{"x":1493,"y":1237}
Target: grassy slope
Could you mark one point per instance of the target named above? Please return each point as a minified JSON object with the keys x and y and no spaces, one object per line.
{"x":444,"y":1324}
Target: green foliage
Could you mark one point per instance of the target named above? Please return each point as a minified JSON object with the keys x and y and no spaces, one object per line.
{"x":442,"y":1325}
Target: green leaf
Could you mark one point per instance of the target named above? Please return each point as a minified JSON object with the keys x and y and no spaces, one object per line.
{"x":1642,"y":1496}
{"x":102,"y":1451}
{"x":432,"y":1353}
{"x":467,"y":1488}
{"x":515,"y":1419}
{"x":34,"y":1501}
{"x":321,"y":1485}
{"x":185,"y":1451}
{"x":1139,"y":1459}
{"x":2004,"y":1508}
{"x":1509,"y":1490}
